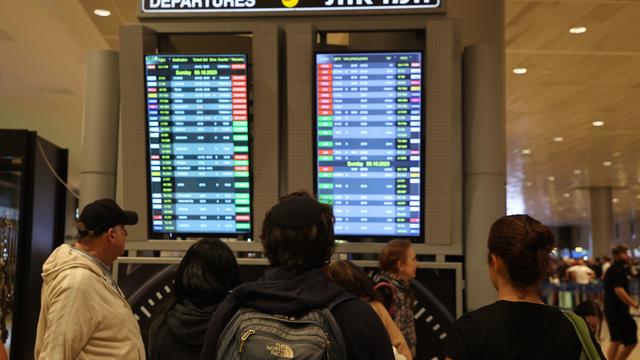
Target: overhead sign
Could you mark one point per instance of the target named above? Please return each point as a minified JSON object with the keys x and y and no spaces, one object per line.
{"x":251,"y":6}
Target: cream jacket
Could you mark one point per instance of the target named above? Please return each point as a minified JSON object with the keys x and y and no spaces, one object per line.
{"x":83,"y":315}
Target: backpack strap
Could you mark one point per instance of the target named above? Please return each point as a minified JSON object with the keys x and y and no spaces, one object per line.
{"x":589,"y":351}
{"x":335,"y":329}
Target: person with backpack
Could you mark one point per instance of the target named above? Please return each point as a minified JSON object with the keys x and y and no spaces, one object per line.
{"x":295,"y":310}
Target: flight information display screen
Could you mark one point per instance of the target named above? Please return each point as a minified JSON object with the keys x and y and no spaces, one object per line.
{"x":369,"y":162}
{"x":198,"y":144}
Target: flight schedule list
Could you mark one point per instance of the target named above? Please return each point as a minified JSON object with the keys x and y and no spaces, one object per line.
{"x":368,"y":141}
{"x":198,"y":142}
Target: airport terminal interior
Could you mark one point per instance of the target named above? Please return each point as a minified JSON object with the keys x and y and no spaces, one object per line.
{"x":422,"y":120}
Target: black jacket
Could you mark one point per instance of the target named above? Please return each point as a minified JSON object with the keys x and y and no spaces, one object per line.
{"x":179,"y":335}
{"x":287,"y":292}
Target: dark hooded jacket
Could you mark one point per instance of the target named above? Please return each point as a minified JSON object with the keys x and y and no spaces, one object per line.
{"x":294,"y":293}
{"x":180,"y":333}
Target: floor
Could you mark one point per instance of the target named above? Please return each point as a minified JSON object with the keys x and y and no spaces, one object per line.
{"x":604,"y":341}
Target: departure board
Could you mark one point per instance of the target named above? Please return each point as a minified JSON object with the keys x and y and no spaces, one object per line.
{"x":368,"y":142}
{"x":198,"y":144}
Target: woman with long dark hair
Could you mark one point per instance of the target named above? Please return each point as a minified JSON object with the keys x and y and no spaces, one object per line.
{"x":519,"y":325}
{"x":206,"y":274}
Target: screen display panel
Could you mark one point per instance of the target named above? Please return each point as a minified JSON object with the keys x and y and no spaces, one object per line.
{"x":368,"y":142}
{"x":198,"y":144}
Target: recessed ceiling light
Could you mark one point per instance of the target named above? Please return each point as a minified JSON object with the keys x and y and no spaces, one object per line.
{"x":102,"y":12}
{"x":637,"y":196}
{"x":551,"y":178}
{"x":578,"y":30}
{"x":558,"y":139}
{"x":597,"y":123}
{"x":577,"y":171}
{"x":615,"y":201}
{"x":529,"y":184}
{"x":526,"y":151}
{"x":616,"y":154}
{"x":520,"y":70}
{"x":607,"y":163}
{"x":566,"y":195}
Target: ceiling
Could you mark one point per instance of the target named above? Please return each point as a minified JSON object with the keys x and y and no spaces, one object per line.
{"x":572,"y":81}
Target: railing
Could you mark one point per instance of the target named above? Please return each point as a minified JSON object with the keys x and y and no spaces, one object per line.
{"x":567,"y":295}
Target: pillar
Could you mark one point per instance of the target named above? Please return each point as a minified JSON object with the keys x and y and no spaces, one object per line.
{"x":601,"y":220}
{"x":100,"y":127}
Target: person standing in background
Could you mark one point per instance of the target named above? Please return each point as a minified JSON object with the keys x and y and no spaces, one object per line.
{"x":617,"y":301}
{"x":83,"y":313}
{"x":398,"y":264}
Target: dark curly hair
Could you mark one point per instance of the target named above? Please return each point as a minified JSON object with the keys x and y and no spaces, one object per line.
{"x":299,"y":247}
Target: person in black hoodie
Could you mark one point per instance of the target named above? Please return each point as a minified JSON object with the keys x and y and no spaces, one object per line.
{"x":206,"y":274}
{"x":298,"y":239}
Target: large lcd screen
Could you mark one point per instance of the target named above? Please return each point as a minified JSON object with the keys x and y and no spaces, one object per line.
{"x":368,"y":131}
{"x":198,"y":145}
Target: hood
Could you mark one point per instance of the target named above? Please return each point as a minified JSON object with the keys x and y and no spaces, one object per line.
{"x":62,"y":259}
{"x":188,"y":323}
{"x":288,"y":292}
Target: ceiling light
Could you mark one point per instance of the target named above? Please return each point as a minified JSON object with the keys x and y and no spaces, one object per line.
{"x":577,"y":171}
{"x":529,"y":184}
{"x":597,"y":123}
{"x":578,"y":30}
{"x":607,"y":163}
{"x":617,"y":153}
{"x":637,"y":196}
{"x":615,"y":201}
{"x":526,"y":151}
{"x":520,"y":71}
{"x":102,"y":12}
{"x":551,"y":178}
{"x":558,"y":139}
{"x":566,"y":195}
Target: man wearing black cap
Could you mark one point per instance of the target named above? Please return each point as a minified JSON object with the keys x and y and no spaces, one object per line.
{"x":83,"y":313}
{"x":298,"y":238}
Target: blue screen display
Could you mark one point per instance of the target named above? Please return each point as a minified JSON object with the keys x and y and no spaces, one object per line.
{"x":369,"y":134}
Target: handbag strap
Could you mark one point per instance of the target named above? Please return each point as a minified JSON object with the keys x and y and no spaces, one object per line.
{"x":589,"y":351}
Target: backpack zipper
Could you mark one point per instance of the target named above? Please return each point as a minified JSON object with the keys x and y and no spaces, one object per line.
{"x":244,"y":338}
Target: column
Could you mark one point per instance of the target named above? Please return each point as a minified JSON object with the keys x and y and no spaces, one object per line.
{"x":100,"y":127}
{"x":484,"y":136}
{"x":601,"y":220}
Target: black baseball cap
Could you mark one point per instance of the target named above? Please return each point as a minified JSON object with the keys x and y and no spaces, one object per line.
{"x":101,"y":215}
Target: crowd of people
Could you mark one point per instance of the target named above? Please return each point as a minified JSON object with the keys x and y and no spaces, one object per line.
{"x":307,"y":307}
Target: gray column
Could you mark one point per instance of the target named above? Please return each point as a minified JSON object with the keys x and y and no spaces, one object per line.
{"x":601,"y":220}
{"x":484,"y":164}
{"x":100,"y":127}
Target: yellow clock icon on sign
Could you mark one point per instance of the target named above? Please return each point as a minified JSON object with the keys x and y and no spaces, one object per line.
{"x":290,"y":3}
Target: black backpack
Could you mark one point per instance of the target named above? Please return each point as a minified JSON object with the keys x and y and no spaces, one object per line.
{"x":253,"y":335}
